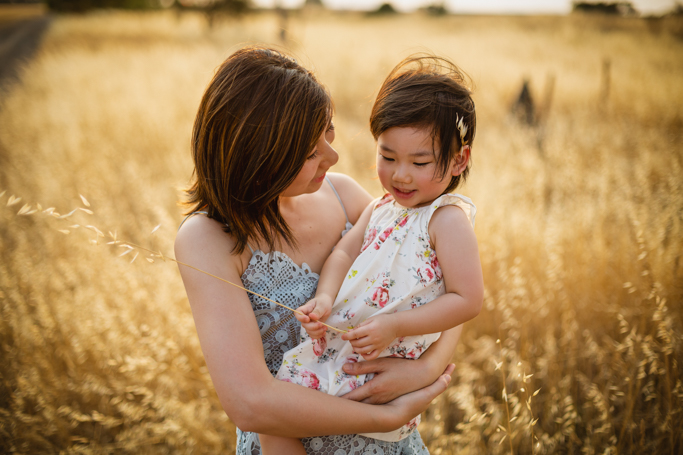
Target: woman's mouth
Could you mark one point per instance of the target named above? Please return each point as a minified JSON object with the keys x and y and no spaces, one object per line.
{"x":403,"y":194}
{"x":320,"y":179}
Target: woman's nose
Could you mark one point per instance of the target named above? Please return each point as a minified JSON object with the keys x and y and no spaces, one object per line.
{"x":330,"y":155}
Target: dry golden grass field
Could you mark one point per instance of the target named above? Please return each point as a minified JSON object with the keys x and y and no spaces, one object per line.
{"x":580,"y":227}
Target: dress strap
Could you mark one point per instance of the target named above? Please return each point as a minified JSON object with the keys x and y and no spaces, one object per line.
{"x":193,"y":213}
{"x":348,"y":223}
{"x":206,"y":213}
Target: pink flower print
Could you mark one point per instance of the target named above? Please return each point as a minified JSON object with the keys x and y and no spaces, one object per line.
{"x":434,"y":262}
{"x":425,"y":274}
{"x":369,"y":238}
{"x":319,"y":345}
{"x":380,"y":296}
{"x":403,"y":221}
{"x":353,"y":383}
{"x":310,"y":380}
{"x":385,"y":200}
{"x":387,"y":232}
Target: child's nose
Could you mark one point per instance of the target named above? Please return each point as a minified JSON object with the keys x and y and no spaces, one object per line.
{"x":402,"y":175}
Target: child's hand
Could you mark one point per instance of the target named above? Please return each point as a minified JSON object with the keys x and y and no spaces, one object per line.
{"x":317,"y":309}
{"x":372,"y":336}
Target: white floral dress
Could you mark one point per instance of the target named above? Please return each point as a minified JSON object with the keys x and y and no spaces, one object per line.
{"x":275,"y":275}
{"x":396,"y":270}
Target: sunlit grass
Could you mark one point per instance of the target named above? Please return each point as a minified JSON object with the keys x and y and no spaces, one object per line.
{"x":580,"y":238}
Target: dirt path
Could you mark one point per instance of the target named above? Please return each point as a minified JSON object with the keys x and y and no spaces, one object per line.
{"x":21,"y":31}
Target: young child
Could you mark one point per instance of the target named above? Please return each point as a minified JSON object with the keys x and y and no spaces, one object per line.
{"x":424,"y":122}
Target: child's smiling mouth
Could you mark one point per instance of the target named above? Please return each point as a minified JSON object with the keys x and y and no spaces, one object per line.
{"x":403,"y":193}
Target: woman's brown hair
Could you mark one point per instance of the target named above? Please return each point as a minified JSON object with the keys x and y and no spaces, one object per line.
{"x":425,"y":91}
{"x":257,"y":122}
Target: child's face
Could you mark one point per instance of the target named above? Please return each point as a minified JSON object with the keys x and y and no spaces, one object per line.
{"x":406,"y":163}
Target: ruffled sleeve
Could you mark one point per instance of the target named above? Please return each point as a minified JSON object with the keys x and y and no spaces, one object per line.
{"x":461,"y":201}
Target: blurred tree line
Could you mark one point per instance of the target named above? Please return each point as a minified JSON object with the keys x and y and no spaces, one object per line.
{"x":228,"y":6}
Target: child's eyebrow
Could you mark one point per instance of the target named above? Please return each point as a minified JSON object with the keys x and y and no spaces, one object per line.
{"x":421,"y":153}
{"x":417,"y":154}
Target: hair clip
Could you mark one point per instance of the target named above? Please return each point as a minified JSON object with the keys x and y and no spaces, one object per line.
{"x":462,"y":128}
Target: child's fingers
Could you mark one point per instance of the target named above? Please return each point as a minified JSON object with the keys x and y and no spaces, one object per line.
{"x":311,"y":325}
{"x":307,"y":307}
{"x":358,"y":332}
{"x":316,"y":334}
{"x":361,"y":342}
{"x":320,"y":312}
{"x":364,"y":351}
{"x":303,"y":318}
{"x":372,"y":355}
{"x":315,"y":329}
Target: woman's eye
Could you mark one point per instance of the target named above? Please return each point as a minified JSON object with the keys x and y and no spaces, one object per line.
{"x":331,"y":128}
{"x":312,"y":155}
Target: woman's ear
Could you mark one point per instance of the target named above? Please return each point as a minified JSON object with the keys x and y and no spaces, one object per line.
{"x":460,"y":161}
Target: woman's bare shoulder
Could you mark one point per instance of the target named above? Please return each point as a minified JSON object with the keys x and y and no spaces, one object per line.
{"x":354,"y":197}
{"x":201,"y":240}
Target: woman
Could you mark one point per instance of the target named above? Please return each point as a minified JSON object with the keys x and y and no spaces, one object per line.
{"x":261,"y":147}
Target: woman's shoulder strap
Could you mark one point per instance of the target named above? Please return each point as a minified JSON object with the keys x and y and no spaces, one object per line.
{"x":348,"y":223}
{"x":191,"y":214}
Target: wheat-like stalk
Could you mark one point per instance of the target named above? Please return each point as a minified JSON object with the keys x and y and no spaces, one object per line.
{"x":26,"y":209}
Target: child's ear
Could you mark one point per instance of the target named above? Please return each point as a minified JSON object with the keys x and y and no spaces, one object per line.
{"x":460,"y":161}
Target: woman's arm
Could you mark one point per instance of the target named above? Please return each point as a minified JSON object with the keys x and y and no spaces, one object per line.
{"x":232,"y":348}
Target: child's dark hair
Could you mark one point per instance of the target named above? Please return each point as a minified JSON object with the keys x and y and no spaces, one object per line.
{"x":425,"y":91}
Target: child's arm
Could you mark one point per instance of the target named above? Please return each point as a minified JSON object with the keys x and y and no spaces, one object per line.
{"x":456,"y":247}
{"x":332,"y":276}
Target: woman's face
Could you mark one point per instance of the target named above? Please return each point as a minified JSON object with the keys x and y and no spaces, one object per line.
{"x":312,"y":175}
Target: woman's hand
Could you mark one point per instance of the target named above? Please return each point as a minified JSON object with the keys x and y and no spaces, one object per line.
{"x":393,"y":377}
{"x":372,"y":336}
{"x":412,"y":404}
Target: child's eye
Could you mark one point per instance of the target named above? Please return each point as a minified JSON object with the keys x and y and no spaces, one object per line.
{"x":312,"y":155}
{"x":422,"y":164}
{"x":386,"y":158}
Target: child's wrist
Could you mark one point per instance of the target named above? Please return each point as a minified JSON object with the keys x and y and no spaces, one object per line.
{"x":324,"y":298}
{"x":395,"y":322}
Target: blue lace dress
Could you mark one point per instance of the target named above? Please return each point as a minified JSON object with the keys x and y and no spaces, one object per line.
{"x":277,"y":277}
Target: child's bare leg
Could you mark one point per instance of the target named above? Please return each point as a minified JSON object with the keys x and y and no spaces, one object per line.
{"x":276,"y":445}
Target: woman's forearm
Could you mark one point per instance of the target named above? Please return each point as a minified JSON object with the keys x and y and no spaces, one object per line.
{"x":285,"y":409}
